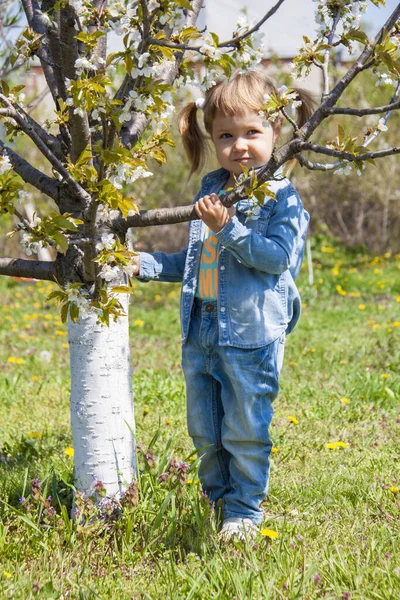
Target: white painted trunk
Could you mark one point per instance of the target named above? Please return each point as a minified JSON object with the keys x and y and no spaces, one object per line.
{"x":102,"y":416}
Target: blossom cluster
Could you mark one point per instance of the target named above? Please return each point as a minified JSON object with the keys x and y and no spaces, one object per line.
{"x":350,"y":14}
{"x":5,"y":164}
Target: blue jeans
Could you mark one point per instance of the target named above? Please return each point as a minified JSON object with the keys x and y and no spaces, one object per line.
{"x":229,"y":409}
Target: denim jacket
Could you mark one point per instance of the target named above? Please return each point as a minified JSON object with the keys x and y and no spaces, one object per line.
{"x":259,"y":259}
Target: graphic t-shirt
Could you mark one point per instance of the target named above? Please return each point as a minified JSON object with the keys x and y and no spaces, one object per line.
{"x":207,"y":283}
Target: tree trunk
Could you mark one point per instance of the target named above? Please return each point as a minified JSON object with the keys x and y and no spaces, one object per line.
{"x":102,"y":418}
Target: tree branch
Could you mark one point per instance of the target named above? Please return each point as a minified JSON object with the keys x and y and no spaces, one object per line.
{"x":51,"y":142}
{"x":79,"y":125}
{"x":132,"y":130}
{"x":36,"y":269}
{"x":364,"y":59}
{"x":361,"y":112}
{"x":347,"y":155}
{"x":32,"y":9}
{"x":29,"y":174}
{"x":234,"y":41}
{"x":53,"y":160}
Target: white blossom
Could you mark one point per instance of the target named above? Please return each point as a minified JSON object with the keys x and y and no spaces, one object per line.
{"x":84,"y":63}
{"x":106,"y":242}
{"x":22,"y":196}
{"x":5,"y":164}
{"x":127,"y":174}
{"x":382,"y":125}
{"x":385,"y":79}
{"x":152,"y":5}
{"x":343,"y":170}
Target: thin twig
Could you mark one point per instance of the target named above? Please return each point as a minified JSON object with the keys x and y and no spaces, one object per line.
{"x":362,"y":112}
{"x":234,"y":42}
{"x":325,"y":68}
{"x":347,"y":156}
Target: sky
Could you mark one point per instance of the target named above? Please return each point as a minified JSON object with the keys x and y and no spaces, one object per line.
{"x":284,"y":30}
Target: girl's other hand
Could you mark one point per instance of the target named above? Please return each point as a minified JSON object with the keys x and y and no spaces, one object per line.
{"x":136,"y":265}
{"x":212,"y":212}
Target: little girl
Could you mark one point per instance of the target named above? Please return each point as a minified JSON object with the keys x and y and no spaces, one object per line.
{"x":239,"y":299}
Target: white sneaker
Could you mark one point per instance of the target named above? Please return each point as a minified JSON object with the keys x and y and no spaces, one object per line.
{"x":242,"y":529}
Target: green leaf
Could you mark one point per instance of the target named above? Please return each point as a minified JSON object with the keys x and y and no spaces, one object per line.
{"x":74,"y":312}
{"x":184,"y":3}
{"x":357,"y":35}
{"x":122,"y":289}
{"x":62,"y":241}
{"x":65,"y":223}
{"x":64,"y":312}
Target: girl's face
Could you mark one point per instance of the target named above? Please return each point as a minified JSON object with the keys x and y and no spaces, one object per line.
{"x":242,"y":140}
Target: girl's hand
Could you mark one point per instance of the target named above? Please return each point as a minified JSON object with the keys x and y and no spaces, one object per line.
{"x":212,"y":212}
{"x":136,"y":263}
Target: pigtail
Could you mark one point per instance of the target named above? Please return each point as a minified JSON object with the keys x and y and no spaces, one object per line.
{"x":308,"y":105}
{"x":194,"y":140}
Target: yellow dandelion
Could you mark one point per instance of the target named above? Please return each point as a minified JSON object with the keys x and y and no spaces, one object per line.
{"x":189,"y":481}
{"x":138,"y":323}
{"x":274,"y":449}
{"x":69,"y":451}
{"x":168,"y":421}
{"x":304,"y":305}
{"x":376,"y":326}
{"x":146,"y":411}
{"x":60,"y":332}
{"x":331,"y":445}
{"x":320,"y":281}
{"x":157,"y":298}
{"x":385,"y":376}
{"x":293,"y":420}
{"x":292,"y":363}
{"x":11,"y":359}
{"x":394,"y":489}
{"x":35,"y":378}
{"x":269,"y":533}
{"x":361,"y":307}
{"x":7,"y":574}
{"x":397,"y":298}
{"x":340,"y":290}
{"x":345,"y":400}
{"x":355,"y":294}
{"x":35,"y":435}
{"x":65,"y":346}
{"x":342,"y":445}
{"x":327,"y":250}
{"x":192,"y":458}
{"x":48,"y":317}
{"x":396,"y":324}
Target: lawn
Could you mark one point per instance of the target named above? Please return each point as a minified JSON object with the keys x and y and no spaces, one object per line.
{"x":331,"y":527}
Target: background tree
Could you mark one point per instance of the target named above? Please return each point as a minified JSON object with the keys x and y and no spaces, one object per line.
{"x":112,"y":114}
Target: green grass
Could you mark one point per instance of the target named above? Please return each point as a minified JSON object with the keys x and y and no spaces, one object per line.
{"x":336,"y":510}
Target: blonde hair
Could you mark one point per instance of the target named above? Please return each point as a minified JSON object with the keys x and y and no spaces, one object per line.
{"x":244,"y":91}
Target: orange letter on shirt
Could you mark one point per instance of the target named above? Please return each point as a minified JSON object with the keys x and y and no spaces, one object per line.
{"x":206,"y":283}
{"x":210,"y":246}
